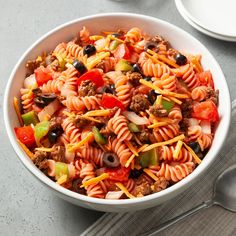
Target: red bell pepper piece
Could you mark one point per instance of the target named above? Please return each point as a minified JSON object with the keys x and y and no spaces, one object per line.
{"x":206,"y":111}
{"x":42,"y":75}
{"x":110,"y":101}
{"x":205,"y":78}
{"x":120,"y":174}
{"x":93,"y":75}
{"x":26,"y":135}
{"x":122,"y":51}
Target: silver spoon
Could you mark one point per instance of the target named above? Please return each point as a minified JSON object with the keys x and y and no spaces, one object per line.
{"x":224,"y":194}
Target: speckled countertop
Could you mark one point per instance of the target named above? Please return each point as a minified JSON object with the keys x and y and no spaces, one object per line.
{"x":26,"y":206}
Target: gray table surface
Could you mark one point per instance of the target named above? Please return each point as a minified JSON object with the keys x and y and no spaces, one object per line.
{"x":26,"y":207}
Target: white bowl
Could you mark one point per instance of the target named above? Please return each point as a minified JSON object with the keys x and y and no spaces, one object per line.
{"x":113,"y":21}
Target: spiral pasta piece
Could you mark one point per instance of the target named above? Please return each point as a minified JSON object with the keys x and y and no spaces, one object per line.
{"x":74,"y":50}
{"x":72,"y":133}
{"x":84,"y":35}
{"x":133,"y":35}
{"x":93,"y":190}
{"x":151,"y":69}
{"x":27,"y":98}
{"x":119,"y":125}
{"x":123,"y":90}
{"x":165,"y":133}
{"x":176,"y":172}
{"x":122,"y":151}
{"x":199,"y":93}
{"x":80,"y":103}
{"x":92,"y":153}
{"x":166,"y":154}
{"x":175,"y":113}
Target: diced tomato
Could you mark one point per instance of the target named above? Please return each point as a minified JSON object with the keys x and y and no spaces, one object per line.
{"x":205,"y":111}
{"x":205,"y":78}
{"x":93,"y":75}
{"x":122,"y":51}
{"x":120,"y":174}
{"x":110,"y":101}
{"x":42,"y":75}
{"x":26,"y":135}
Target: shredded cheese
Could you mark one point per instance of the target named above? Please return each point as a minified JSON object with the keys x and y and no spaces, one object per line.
{"x":71,"y":115}
{"x":196,"y":64}
{"x":131,"y":147}
{"x":97,"y":59}
{"x":163,"y":58}
{"x":95,"y":37}
{"x":175,"y":100}
{"x":155,"y":60}
{"x":26,"y":150}
{"x":177,"y":149}
{"x":95,"y":180}
{"x":158,"y":100}
{"x":98,"y":113}
{"x":124,"y":190}
{"x":43,"y":149}
{"x":117,"y":39}
{"x":148,"y":172}
{"x":107,"y":43}
{"x":158,"y":124}
{"x":197,"y":159}
{"x":133,"y":155}
{"x":91,"y":119}
{"x":62,"y":179}
{"x":173,"y":140}
{"x":76,"y":146}
{"x":17,"y":110}
{"x":163,"y":92}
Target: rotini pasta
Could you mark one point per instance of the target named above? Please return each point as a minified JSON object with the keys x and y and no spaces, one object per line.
{"x":117,"y":115}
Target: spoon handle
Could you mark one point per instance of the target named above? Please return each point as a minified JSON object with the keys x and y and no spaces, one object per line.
{"x":178,"y":218}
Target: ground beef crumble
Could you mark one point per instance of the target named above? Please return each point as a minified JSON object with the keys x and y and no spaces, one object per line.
{"x":139,"y":103}
{"x":159,"y":185}
{"x":39,"y":158}
{"x":134,"y":78}
{"x":55,"y":123}
{"x":158,"y":111}
{"x":81,"y":122}
{"x":87,"y":88}
{"x":143,"y":136}
{"x":58,"y":154}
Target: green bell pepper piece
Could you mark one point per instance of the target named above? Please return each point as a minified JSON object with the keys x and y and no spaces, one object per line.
{"x":149,"y":158}
{"x":167,"y":105}
{"x":41,"y":129}
{"x":61,"y":169}
{"x":30,"y":118}
{"x":99,"y":138}
{"x":133,"y":128}
{"x":123,"y":65}
{"x":114,"y":44}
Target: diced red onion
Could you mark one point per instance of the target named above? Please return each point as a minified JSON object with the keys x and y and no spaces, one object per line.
{"x":50,"y":109}
{"x":206,"y":127}
{"x":192,"y":122}
{"x":100,"y":43}
{"x":30,"y":82}
{"x":113,"y":75}
{"x":133,"y":117}
{"x":114,"y":195}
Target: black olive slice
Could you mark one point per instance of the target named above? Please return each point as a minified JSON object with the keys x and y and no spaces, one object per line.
{"x":110,"y":159}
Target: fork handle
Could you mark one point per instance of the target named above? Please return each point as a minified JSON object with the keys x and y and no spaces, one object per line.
{"x":178,"y":218}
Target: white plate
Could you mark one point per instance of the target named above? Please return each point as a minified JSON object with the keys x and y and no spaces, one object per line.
{"x":217,"y":16}
{"x":210,"y":33}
